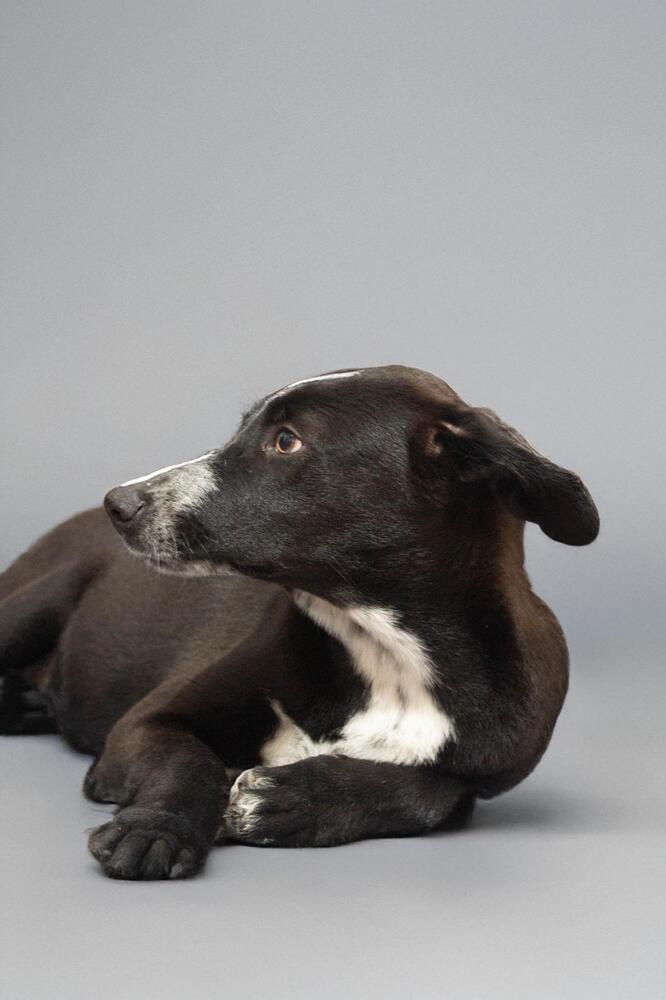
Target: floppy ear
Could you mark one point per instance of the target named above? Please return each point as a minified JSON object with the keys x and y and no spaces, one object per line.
{"x":531,"y":487}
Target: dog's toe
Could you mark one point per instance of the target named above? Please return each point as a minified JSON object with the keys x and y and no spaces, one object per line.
{"x":264,"y":810}
{"x":146,"y":844}
{"x":245,"y":800}
{"x":96,"y":786}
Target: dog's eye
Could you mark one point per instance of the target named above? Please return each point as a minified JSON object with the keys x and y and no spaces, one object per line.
{"x":286,"y":442}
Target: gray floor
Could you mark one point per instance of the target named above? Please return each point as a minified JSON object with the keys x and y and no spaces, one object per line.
{"x":556,"y":890}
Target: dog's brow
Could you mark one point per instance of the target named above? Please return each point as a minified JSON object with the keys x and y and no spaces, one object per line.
{"x":267,"y":400}
{"x":260,"y":406}
{"x":246,"y":414}
{"x":318,"y":378}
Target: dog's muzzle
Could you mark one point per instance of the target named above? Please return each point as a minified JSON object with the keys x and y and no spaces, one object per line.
{"x":152,"y":512}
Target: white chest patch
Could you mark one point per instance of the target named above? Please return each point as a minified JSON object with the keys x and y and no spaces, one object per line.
{"x":401,"y":723}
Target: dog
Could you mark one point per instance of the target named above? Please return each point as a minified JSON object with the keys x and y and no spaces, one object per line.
{"x":328,"y":633}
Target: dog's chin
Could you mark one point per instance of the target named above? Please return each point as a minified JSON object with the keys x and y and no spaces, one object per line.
{"x":191,"y":567}
{"x":161,"y":558}
{"x":170,"y":565}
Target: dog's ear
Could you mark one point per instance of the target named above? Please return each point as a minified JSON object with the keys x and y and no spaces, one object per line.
{"x":484,"y":449}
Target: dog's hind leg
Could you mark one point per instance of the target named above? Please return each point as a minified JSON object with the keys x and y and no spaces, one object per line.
{"x":24,"y":711}
{"x":33,"y":616}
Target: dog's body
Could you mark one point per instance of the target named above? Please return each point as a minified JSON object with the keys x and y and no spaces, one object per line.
{"x":378,"y":661}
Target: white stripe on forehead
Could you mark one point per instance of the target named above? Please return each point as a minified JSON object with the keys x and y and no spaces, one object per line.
{"x":304,"y":381}
{"x":167,"y":468}
{"x":275,"y":395}
{"x":318,"y":378}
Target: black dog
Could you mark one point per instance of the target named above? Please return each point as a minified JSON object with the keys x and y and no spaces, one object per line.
{"x":344,"y":617}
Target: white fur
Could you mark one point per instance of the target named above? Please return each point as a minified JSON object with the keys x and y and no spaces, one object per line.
{"x":167,"y":468}
{"x":402,"y":721}
{"x":192,"y":486}
{"x":304,"y":381}
{"x":244,"y":798}
{"x":174,"y":489}
{"x":318,"y":378}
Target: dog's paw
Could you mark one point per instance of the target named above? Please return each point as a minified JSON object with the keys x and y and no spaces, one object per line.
{"x":140,"y":843}
{"x":96,"y":785}
{"x":269,"y":807}
{"x":23,"y":710}
{"x":247,"y":800}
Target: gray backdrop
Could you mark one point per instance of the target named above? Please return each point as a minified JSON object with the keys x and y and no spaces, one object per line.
{"x":206,"y":200}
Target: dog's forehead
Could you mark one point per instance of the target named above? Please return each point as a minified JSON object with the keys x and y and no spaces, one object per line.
{"x":362,"y":384}
{"x":316,"y":382}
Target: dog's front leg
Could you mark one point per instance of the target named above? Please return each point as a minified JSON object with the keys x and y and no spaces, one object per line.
{"x":321,"y":801}
{"x":164,"y":764}
{"x":174,"y":787}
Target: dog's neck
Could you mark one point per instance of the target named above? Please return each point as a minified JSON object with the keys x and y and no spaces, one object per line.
{"x":369,"y":634}
{"x":404,"y":626}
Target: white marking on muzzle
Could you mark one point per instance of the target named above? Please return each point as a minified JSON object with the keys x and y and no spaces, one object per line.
{"x":173,"y":491}
{"x":167,"y":468}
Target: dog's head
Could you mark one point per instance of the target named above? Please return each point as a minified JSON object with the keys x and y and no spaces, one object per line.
{"x":342,"y":484}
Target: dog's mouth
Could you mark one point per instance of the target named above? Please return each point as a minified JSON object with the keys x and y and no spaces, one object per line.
{"x":178,"y":559}
{"x":258,"y":571}
{"x":206,"y":567}
{"x":179,"y":566}
{"x":174,"y":543}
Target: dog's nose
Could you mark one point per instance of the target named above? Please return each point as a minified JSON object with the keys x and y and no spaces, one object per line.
{"x":123,"y":503}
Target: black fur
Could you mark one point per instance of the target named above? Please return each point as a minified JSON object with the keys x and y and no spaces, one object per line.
{"x":401,"y":497}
